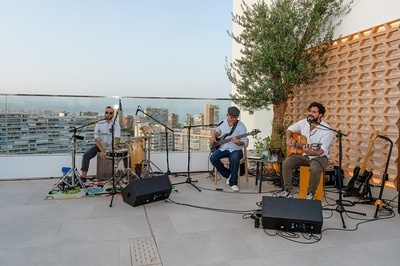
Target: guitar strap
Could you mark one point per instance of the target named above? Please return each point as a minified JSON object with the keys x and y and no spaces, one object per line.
{"x":233,"y":129}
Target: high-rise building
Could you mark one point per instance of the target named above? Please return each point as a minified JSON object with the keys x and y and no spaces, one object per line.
{"x":211,"y":114}
{"x":198,"y":119}
{"x":173,"y":120}
{"x":188,"y":120}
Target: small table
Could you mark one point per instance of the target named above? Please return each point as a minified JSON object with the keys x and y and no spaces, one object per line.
{"x":259,"y":171}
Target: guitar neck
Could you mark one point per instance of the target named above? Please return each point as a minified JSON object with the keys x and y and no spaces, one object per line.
{"x":371,"y":143}
{"x":222,"y":141}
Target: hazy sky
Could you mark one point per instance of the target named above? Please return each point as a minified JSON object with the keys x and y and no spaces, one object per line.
{"x":115,"y":48}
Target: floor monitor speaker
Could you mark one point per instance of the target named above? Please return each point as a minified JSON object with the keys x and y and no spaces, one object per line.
{"x":146,"y":190}
{"x":290,"y":214}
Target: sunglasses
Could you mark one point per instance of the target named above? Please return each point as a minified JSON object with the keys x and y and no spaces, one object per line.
{"x":109,"y":113}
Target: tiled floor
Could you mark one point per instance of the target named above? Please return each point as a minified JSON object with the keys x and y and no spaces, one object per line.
{"x":197,"y":228}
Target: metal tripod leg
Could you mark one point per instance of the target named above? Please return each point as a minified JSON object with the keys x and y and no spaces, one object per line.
{"x":147,"y":170}
{"x":117,"y":172}
{"x":70,"y":179}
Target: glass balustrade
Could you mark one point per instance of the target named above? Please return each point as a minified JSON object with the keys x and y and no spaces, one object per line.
{"x":47,"y":124}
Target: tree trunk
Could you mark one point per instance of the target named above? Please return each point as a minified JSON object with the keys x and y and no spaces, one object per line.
{"x":278,"y":127}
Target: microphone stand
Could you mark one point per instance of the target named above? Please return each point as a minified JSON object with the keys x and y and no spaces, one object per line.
{"x":340,"y":207}
{"x":166,"y":137}
{"x":74,"y":171}
{"x":113,"y":192}
{"x":385,"y":177}
{"x":189,"y":179}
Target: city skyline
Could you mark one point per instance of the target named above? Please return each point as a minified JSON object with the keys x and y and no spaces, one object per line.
{"x":76,"y":105}
{"x":53,"y":133}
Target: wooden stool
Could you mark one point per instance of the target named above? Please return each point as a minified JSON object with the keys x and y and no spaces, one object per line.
{"x":304,"y":181}
{"x":104,"y":168}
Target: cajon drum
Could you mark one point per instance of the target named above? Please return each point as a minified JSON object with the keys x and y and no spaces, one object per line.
{"x":304,"y":181}
{"x":104,"y":168}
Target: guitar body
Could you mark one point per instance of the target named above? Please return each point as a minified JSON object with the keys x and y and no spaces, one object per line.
{"x":359,"y":183}
{"x":360,"y":188}
{"x":352,"y":181}
{"x":217,"y":144}
{"x":297,"y":149}
{"x":300,"y":141}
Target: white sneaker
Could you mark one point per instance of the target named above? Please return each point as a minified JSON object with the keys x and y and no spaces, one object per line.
{"x":286,"y":194}
{"x":310,"y":196}
{"x":227,"y":181}
{"x":235,"y":188}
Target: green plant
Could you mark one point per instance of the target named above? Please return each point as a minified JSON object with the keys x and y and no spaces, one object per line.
{"x":262,"y":144}
{"x":285,"y":43}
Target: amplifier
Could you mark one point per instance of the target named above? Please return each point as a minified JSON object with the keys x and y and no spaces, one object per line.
{"x":290,"y":214}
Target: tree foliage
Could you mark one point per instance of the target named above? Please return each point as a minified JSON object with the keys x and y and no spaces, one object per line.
{"x":283,"y":45}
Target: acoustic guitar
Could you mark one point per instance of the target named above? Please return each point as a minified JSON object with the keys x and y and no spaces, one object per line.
{"x":224,"y":139}
{"x":358,"y":184}
{"x":300,"y":141}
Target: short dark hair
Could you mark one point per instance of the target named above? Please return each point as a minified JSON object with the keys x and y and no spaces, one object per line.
{"x":320,"y":106}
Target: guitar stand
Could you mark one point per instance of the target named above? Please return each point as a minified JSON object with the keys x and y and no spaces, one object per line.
{"x":385,"y":177}
{"x":340,"y":207}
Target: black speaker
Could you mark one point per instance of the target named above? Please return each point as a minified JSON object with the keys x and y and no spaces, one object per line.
{"x":146,"y":190}
{"x":291,"y":214}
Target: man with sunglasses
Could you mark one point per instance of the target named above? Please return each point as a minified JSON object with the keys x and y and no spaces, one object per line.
{"x":229,"y":128}
{"x":103,"y":140}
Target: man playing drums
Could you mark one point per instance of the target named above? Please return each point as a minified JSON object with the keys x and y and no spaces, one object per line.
{"x":103,"y":140}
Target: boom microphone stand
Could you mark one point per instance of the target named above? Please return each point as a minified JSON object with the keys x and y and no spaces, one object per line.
{"x":340,"y":207}
{"x":76,"y":177}
{"x":113,"y":192}
{"x":166,"y":135}
{"x":189,"y":179}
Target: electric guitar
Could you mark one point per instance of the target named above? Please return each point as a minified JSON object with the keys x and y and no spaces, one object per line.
{"x":300,"y":141}
{"x":223,"y":139}
{"x":358,"y":184}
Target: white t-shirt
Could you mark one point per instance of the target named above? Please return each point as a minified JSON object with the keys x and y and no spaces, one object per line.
{"x":319,"y":134}
{"x":102,"y":133}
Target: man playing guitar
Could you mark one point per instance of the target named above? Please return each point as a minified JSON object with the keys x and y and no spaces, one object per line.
{"x":314,"y":152}
{"x":233,"y":149}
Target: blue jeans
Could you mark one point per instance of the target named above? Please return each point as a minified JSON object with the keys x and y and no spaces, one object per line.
{"x":234,"y":164}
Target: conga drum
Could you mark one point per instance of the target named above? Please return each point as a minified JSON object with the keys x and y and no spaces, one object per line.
{"x":136,"y":155}
{"x":147,"y":129}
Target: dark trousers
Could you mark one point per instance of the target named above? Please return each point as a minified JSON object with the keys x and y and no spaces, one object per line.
{"x":234,"y":163}
{"x":317,"y":165}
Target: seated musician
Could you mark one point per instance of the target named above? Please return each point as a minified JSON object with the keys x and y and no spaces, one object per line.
{"x":314,"y":152}
{"x":233,"y":149}
{"x":103,"y":140}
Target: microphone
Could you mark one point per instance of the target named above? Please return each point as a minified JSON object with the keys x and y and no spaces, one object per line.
{"x":138,"y":109}
{"x":312,"y":121}
{"x":120,"y":105}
